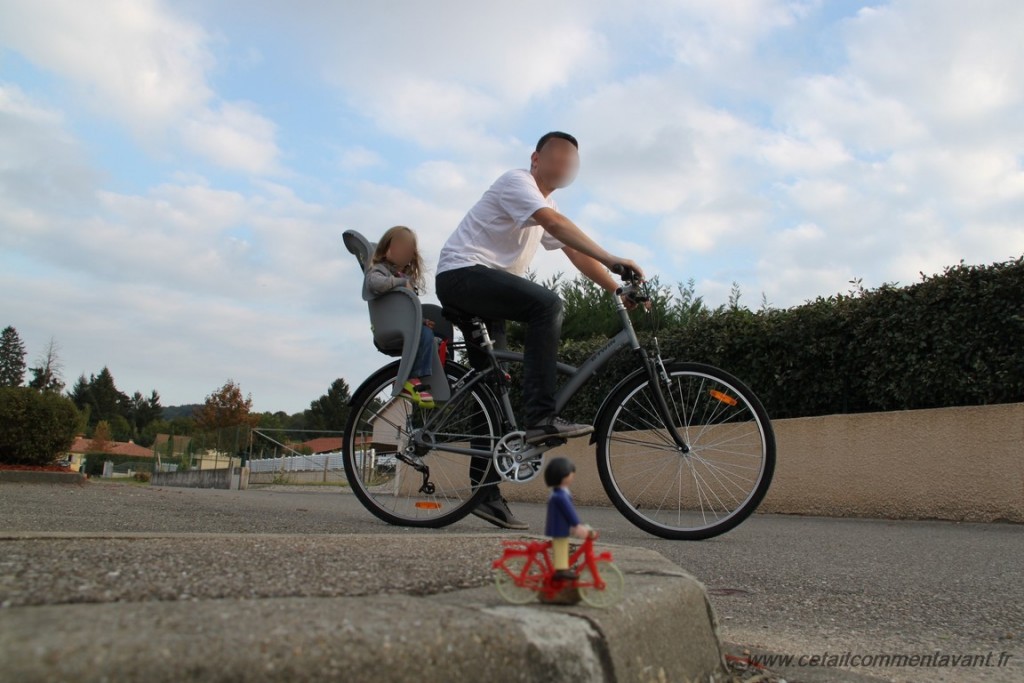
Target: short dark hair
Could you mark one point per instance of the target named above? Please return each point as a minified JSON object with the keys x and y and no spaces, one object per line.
{"x":557,"y":470}
{"x":556,"y":134}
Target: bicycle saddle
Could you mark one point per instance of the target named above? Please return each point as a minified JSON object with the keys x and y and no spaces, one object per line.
{"x":458,"y":317}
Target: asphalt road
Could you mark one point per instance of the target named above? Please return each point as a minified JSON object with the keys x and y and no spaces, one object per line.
{"x":785,"y":584}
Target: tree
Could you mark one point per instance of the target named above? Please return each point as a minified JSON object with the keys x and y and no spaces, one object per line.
{"x":47,"y":375}
{"x":142,"y":411}
{"x":12,"y":358}
{"x":120,"y":429}
{"x":226,"y":408}
{"x":330,"y":411}
{"x":101,"y":441}
{"x":101,"y":397}
{"x":79,"y":393}
{"x":36,"y":427}
{"x":107,"y":399}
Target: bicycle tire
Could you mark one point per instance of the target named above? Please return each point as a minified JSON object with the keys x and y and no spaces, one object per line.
{"x":395,"y":505}
{"x":707,"y":403}
{"x":614,"y":583}
{"x":516,"y":569}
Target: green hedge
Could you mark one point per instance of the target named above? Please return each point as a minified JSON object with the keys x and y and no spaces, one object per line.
{"x":36,"y":428}
{"x":94,"y":463}
{"x":954,"y":339}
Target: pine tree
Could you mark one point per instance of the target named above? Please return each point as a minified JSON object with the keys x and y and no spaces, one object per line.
{"x":12,"y":358}
{"x":100,"y":397}
{"x":330,"y":411}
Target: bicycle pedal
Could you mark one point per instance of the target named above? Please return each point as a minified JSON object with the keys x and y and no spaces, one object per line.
{"x":551,"y":443}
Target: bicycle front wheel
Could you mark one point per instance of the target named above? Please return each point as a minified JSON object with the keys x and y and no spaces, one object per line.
{"x":612,"y":589}
{"x":675,"y":493}
{"x":385,"y":468}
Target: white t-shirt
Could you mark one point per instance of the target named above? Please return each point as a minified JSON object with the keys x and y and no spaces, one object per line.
{"x":499,"y":231}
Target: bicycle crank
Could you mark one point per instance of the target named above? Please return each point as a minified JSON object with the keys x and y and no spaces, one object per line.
{"x":517,"y":461}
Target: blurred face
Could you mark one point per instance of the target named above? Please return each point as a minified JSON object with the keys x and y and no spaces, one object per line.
{"x":572,"y":475}
{"x":402,"y":249}
{"x":556,"y":163}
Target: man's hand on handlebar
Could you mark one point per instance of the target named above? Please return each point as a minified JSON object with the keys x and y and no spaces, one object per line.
{"x":627,"y":269}
{"x":632,"y":276}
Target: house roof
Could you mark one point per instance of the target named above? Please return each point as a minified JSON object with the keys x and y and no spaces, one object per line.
{"x":84,"y":445}
{"x":324,"y":444}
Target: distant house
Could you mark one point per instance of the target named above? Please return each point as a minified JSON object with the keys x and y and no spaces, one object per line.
{"x":81,"y":445}
{"x":326,"y":444}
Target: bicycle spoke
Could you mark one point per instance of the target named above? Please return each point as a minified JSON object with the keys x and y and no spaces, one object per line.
{"x":390,"y":473}
{"x":694,"y":491}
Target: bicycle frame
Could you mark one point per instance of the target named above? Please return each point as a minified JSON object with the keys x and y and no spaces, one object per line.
{"x":539,"y":553}
{"x":577,"y":376}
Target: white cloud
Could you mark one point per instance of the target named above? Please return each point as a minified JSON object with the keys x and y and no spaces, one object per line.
{"x":708,"y":151}
{"x":136,"y":62}
{"x":41,"y":164}
{"x":445,"y":75}
{"x":128,"y":58}
{"x":234,"y":136}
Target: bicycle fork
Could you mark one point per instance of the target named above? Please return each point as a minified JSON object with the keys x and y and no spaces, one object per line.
{"x":657,"y":375}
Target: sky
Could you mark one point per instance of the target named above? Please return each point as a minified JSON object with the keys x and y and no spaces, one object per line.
{"x":175,"y":177}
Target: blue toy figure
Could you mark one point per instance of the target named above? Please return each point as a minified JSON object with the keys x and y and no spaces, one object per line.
{"x":562,"y":522}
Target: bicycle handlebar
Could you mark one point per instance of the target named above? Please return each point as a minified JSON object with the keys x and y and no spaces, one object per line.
{"x":626,"y":273}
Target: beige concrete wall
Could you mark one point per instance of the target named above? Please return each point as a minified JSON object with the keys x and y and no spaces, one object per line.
{"x":951,"y":463}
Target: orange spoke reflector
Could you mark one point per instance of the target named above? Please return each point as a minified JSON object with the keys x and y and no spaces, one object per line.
{"x":724,"y":398}
{"x":426,"y":505}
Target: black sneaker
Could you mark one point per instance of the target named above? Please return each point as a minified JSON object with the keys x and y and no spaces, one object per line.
{"x":565,"y":596}
{"x":497,"y":513}
{"x":566,"y":575}
{"x":556,"y":428}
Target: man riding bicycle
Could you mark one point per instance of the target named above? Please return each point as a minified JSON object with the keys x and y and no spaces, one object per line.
{"x":480,"y":273}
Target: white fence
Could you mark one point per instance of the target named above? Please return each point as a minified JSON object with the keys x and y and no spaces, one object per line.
{"x":318,"y":462}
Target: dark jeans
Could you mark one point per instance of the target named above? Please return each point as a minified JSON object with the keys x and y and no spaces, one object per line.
{"x":496,"y":296}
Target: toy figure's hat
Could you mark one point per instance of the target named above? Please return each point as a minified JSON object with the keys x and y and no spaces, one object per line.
{"x":557,"y":470}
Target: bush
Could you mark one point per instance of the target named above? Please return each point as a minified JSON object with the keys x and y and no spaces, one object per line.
{"x":953,"y":339}
{"x":122,"y":463}
{"x":36,"y":428}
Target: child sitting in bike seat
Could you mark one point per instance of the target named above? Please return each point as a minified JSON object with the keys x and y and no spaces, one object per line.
{"x":396,"y":263}
{"x":562,"y":520}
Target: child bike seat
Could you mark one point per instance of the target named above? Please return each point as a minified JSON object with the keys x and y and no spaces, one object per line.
{"x":396,"y":320}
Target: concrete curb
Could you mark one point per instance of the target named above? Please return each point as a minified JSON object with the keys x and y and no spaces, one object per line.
{"x":41,"y":477}
{"x":663,"y":629}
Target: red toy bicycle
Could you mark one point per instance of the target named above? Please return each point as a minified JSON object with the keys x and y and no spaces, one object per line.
{"x":525,"y":569}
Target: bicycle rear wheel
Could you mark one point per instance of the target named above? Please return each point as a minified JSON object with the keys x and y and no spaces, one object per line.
{"x":686,"y":495}
{"x":383,"y":466}
{"x":519,"y":579}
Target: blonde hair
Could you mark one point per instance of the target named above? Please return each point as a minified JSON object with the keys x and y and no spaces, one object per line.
{"x":415,"y":270}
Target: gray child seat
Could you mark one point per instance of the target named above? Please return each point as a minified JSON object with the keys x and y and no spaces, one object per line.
{"x":396,"y":319}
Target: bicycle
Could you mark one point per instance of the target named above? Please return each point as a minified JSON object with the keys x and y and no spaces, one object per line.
{"x":525,"y":569}
{"x":684,"y":450}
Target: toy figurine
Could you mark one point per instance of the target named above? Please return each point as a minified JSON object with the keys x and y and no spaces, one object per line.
{"x":562,"y":522}
{"x":531,"y":569}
